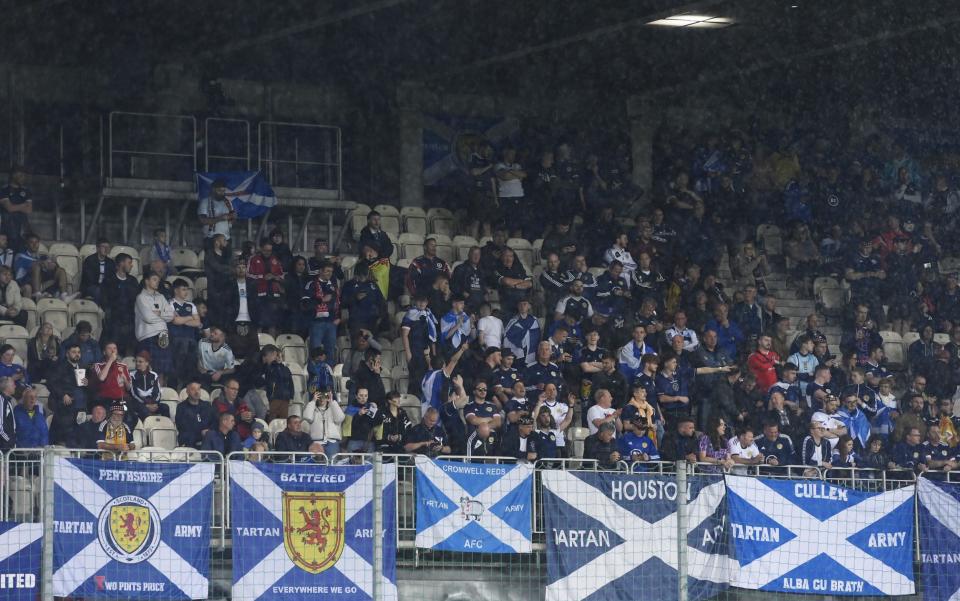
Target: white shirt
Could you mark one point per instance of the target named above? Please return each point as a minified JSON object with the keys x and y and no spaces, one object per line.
{"x":153,"y":312}
{"x":830,"y":423}
{"x":243,"y":314}
{"x":209,"y":207}
{"x":491,"y":331}
{"x":509,"y":188}
{"x":623,"y":255}
{"x":559,"y":412}
{"x":216,"y":359}
{"x":735,"y":448}
{"x":598,"y":412}
{"x":690,"y":340}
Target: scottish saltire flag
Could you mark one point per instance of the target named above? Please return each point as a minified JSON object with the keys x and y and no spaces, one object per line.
{"x":126,"y":530}
{"x":303,"y":530}
{"x":521,"y":336}
{"x":815,"y":538}
{"x":613,"y":536}
{"x":939,"y":539}
{"x":474,"y":507}
{"x":20,"y":546}
{"x":248,"y":191}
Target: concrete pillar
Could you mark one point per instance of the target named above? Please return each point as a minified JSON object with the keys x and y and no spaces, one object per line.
{"x":644,"y":120}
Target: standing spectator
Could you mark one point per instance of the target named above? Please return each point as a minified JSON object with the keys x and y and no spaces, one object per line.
{"x":366,"y":418}
{"x":909,"y":454}
{"x":519,"y":442}
{"x":184,"y":331}
{"x":266,"y":270}
{"x":161,"y":251}
{"x":816,"y":450}
{"x":480,"y":410}
{"x":96,"y":268}
{"x":561,"y":241}
{"x":865,"y":273}
{"x":8,"y":419}
{"x":512,"y":279}
{"x":242,"y":313}
{"x":490,"y":328}
{"x":11,"y":302}
{"x":749,"y":315}
{"x":218,"y":266}
{"x":602,"y":412}
{"x":116,"y":436}
{"x":619,"y":252}
{"x":364,"y":299}
{"x":456,"y":328}
{"x":673,"y":396}
{"x":111,"y":377}
{"x":325,"y":417}
{"x":418,"y":331}
{"x":68,"y":396}
{"x":483,"y":442}
{"x":216,"y":213}
{"x":6,"y":253}
{"x":322,"y":301}
{"x":396,"y":426}
{"x":681,"y":442}
{"x":224,"y":439}
{"x":275,"y":379}
{"x":24,"y":261}
{"x":776,"y":448}
{"x":194,"y":418}
{"x":552,"y":283}
{"x":522,"y":334}
{"x":31,"y":423}
{"x":763,"y":363}
{"x":16,"y":205}
{"x":423,"y":270}
{"x":43,"y":353}
{"x":561,"y":413}
{"x":742,"y":449}
{"x":372,"y":236}
{"x":367,"y":376}
{"x":428,"y":437}
{"x":120,"y":290}
{"x":467,"y":280}
{"x":510,"y":176}
{"x":748,"y":266}
{"x":153,"y":313}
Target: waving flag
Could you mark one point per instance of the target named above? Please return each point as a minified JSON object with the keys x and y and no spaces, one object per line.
{"x":613,"y":536}
{"x":302,"y":530}
{"x":131,"y":530}
{"x":474,"y":507}
{"x":249,"y":193}
{"x":939,"y":539}
{"x":815,"y":538}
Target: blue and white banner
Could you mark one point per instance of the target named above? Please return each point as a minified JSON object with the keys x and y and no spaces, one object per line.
{"x":301,"y":530}
{"x":474,"y":507}
{"x":20,"y":546}
{"x":939,"y":539}
{"x":125,"y":530}
{"x":613,"y":536}
{"x":248,"y":191}
{"x":815,"y":538}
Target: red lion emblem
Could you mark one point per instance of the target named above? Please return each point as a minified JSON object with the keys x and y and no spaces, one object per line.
{"x":130,"y":524}
{"x":316,"y":526}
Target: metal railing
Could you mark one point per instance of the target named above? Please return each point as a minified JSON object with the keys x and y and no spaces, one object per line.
{"x":136,"y":138}
{"x":300,"y":155}
{"x":223,"y":130}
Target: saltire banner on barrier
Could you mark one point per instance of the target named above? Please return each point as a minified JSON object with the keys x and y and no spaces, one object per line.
{"x":20,"y":547}
{"x":131,"y":530}
{"x":815,"y":538}
{"x":303,"y":530}
{"x":939,"y":539}
{"x":248,"y":191}
{"x":474,"y":507}
{"x":612,"y":536}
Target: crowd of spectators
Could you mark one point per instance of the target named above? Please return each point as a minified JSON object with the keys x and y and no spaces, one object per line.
{"x":642,"y":316}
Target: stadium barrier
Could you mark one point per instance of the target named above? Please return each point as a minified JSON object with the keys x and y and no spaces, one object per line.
{"x":588,"y":532}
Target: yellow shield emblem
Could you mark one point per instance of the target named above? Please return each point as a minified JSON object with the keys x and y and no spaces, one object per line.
{"x":130,"y":526}
{"x":313,"y":524}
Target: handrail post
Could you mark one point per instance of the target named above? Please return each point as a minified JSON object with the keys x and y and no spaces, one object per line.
{"x":377,"y":589}
{"x":682,"y":530}
{"x":46,"y":565}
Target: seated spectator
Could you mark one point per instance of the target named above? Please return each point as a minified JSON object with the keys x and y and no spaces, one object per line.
{"x":161,"y":251}
{"x":95,"y":270}
{"x":194,"y":418}
{"x":42,"y":353}
{"x":116,"y":436}
{"x":816,"y":450}
{"x":512,"y":280}
{"x":832,"y":425}
{"x":23,"y":264}
{"x":153,"y":313}
{"x":749,"y":266}
{"x":325,"y":418}
{"x":274,"y":378}
{"x":16,"y":205}
{"x":938,"y":455}
{"x":619,"y":252}
{"x":224,"y":439}
{"x":292,"y":440}
{"x":366,"y":418}
{"x":545,"y":435}
{"x":519,"y":442}
{"x":48,"y":280}
{"x":6,"y":253}
{"x":88,"y":433}
{"x":910,"y":418}
{"x":789,"y":386}
{"x":712,"y":446}
{"x":602,"y":412}
{"x":489,"y":327}
{"x":145,"y":386}
{"x":396,"y":426}
{"x":31,"y":423}
{"x":11,"y":302}
{"x":775,"y":448}
{"x":216,"y":358}
{"x":256,"y":437}
{"x":743,"y":451}
{"x":560,"y":412}
{"x":228,"y":401}
{"x":874,"y":458}
{"x":853,"y":415}
{"x":10,"y":369}
{"x":612,"y":293}
{"x":909,"y":454}
{"x":89,"y":346}
{"x":602,"y":446}
{"x":483,"y":442}
{"x":681,"y":442}
{"x":371,"y":235}
{"x":844,"y":456}
{"x":637,"y":444}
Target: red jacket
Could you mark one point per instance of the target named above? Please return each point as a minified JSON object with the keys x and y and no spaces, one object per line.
{"x":112,"y":388}
{"x":764,"y":369}
{"x":258,"y":269}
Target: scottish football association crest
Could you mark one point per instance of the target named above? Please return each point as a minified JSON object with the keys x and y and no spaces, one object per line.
{"x":129,"y":529}
{"x":313,"y":524}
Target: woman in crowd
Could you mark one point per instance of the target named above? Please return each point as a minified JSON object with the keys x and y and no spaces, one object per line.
{"x":42,"y":353}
